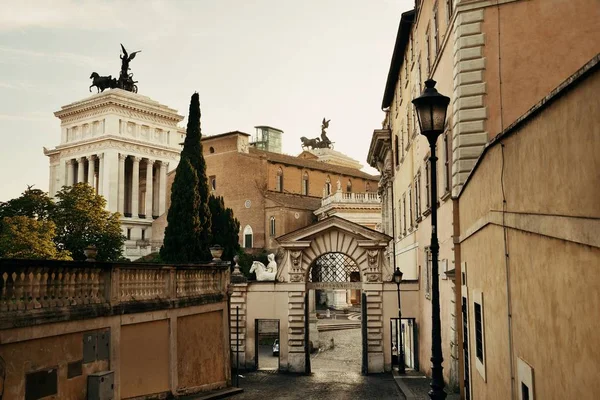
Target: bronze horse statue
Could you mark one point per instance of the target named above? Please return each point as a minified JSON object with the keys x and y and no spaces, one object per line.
{"x":102,"y":82}
{"x":313,"y":143}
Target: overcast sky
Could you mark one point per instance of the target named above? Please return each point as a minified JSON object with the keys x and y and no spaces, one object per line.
{"x":281,"y":63}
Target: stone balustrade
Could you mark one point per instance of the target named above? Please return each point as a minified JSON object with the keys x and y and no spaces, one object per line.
{"x":64,"y":289}
{"x":351,"y":197}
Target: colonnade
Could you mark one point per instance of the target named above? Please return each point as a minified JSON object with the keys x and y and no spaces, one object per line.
{"x":141,"y":186}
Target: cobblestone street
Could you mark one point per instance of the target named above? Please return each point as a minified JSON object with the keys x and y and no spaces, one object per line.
{"x":336,"y":375}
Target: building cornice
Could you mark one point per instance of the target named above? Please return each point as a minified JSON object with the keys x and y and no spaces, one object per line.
{"x":114,"y":142}
{"x":120,"y":99}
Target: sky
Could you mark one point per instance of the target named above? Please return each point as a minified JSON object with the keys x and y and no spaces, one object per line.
{"x":281,"y":63}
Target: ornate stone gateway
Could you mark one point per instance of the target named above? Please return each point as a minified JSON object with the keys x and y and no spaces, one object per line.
{"x":324,"y":256}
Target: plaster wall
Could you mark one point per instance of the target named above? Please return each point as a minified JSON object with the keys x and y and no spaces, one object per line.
{"x":54,"y":352}
{"x":409,"y":298}
{"x":266,"y":300}
{"x":201,"y":350}
{"x":547,"y":169}
{"x":145,"y":344}
{"x":524,"y":38}
{"x":144,"y":350}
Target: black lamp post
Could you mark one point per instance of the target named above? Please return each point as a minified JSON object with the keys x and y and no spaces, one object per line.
{"x":431,"y":110}
{"x":397,"y":279}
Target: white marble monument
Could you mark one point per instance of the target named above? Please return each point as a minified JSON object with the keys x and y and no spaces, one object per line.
{"x":123,"y":144}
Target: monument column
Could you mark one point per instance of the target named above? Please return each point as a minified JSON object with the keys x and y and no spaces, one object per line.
{"x":149,"y":194}
{"x":121,"y":198}
{"x":81,"y":170}
{"x":70,"y":172}
{"x":135,"y":190}
{"x":100,"y":172}
{"x":91,"y":171}
{"x":162,"y":195}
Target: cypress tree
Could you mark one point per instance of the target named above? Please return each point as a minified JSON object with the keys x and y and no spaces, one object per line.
{"x":192,"y":240}
{"x":182,"y":243}
{"x":225,"y":227}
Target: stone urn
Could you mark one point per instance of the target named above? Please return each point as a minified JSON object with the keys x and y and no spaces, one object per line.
{"x":216,"y":252}
{"x":90,"y":253}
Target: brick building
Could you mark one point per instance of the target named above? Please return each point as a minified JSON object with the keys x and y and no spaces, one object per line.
{"x":273,"y":193}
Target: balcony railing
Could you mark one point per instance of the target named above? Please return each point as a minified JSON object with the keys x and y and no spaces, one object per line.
{"x":88,"y":289}
{"x":351,"y":197}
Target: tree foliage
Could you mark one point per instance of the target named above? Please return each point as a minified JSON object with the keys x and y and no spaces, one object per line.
{"x":183,"y":239}
{"x":25,"y":237}
{"x":33,"y":203}
{"x":193,"y":229}
{"x":225,"y":227}
{"x":82,"y":220}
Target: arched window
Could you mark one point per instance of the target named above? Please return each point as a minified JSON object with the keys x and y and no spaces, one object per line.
{"x":305,"y":184}
{"x":279,"y":181}
{"x":327,"y":186}
{"x":211,"y":150}
{"x":349,"y":186}
{"x":367,"y":187}
{"x":272,"y":226}
{"x":248,"y":237}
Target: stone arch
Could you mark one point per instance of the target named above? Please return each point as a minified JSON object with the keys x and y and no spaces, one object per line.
{"x":333,"y":235}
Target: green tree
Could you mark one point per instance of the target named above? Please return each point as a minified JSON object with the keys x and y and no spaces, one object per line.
{"x":193,"y":178}
{"x":225,"y":227}
{"x":33,"y":203}
{"x":82,"y":220}
{"x":25,"y":237}
{"x":183,"y":239}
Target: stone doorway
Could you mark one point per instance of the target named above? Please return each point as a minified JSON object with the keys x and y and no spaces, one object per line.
{"x":349,"y":261}
{"x":335,"y":338}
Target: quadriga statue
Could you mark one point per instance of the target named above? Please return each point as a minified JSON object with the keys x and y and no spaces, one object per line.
{"x":263,"y":273}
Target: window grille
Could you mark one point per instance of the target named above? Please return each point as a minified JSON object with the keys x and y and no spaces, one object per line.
{"x":333,"y":267}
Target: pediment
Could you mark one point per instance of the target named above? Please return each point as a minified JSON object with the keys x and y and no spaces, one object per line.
{"x":359,"y":232}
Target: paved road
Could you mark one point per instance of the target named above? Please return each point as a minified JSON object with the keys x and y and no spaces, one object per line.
{"x":336,"y":376}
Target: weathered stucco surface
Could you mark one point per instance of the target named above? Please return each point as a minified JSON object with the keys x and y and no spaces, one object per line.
{"x":548,"y":170}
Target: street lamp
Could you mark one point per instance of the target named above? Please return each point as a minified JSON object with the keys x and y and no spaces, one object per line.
{"x":431,"y":110}
{"x":397,"y":279}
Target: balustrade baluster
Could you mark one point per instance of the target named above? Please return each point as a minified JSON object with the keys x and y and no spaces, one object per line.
{"x":124,"y":284}
{"x":59,"y":287}
{"x":5,"y":292}
{"x":84,"y":286}
{"x":94,"y":282}
{"x":52,"y":276}
{"x":72,"y":288}
{"x":102,"y":286}
{"x":28,"y":289}
{"x":44,"y":297}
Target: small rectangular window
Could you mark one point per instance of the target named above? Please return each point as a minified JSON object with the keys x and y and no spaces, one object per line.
{"x":143,"y":234}
{"x":396,"y":150}
{"x":524,"y":391}
{"x":447,"y":166}
{"x":128,"y":233}
{"x":410,"y":207}
{"x":478,"y":332}
{"x":404,"y":212}
{"x":428,"y":262}
{"x":427,"y":188}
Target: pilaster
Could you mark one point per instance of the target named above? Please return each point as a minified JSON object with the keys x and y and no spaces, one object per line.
{"x":238,"y":305}
{"x":468,"y":110}
{"x":374,"y":317}
{"x":296,"y":332}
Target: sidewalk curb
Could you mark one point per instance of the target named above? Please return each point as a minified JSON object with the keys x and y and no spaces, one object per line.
{"x":219,"y":394}
{"x":403,"y":388}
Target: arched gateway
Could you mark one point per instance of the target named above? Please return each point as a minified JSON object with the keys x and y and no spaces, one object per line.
{"x":333,"y":253}
{"x":327,"y":255}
